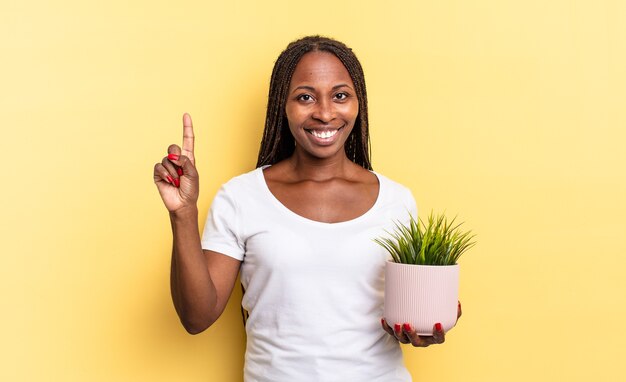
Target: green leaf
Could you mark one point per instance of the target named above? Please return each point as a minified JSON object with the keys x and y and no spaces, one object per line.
{"x":439,"y":241}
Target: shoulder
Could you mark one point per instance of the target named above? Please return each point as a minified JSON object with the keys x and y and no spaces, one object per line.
{"x":244,"y":182}
{"x":396,"y":193}
{"x":238,"y":190}
{"x":391,"y":185}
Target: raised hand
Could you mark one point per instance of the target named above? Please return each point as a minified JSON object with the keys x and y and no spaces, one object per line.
{"x":176,"y":177}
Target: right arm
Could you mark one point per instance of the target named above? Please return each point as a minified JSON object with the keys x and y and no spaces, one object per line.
{"x":200,"y":281}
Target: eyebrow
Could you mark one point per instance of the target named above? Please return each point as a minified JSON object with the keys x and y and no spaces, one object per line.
{"x":311,"y":88}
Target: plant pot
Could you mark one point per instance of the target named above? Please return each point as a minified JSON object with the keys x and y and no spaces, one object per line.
{"x":421,"y":295}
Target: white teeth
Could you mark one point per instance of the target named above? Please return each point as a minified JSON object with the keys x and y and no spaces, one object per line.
{"x":324,"y":134}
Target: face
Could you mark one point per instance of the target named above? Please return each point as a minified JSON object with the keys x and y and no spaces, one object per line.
{"x":322,"y":105}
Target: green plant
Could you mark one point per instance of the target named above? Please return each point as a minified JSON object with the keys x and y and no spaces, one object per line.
{"x":439,"y":242}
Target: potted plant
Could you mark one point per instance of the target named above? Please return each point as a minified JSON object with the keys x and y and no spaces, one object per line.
{"x":422,"y":279}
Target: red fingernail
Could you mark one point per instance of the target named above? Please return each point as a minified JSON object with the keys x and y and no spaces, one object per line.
{"x":407,"y":327}
{"x":179,"y":171}
{"x":177,"y":182}
{"x":173,"y":156}
{"x":397,"y":327}
{"x":438,"y":327}
{"x":382,"y":321}
{"x":169,"y":179}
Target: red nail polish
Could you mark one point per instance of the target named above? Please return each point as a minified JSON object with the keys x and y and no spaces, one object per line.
{"x":382,"y":321}
{"x":169,"y":179}
{"x":177,"y":182}
{"x":407,"y":327}
{"x":397,"y":327}
{"x":438,"y":327}
{"x":179,"y":171}
{"x":172,"y":156}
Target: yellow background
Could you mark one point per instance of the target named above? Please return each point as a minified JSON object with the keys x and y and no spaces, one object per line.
{"x":509,"y":113}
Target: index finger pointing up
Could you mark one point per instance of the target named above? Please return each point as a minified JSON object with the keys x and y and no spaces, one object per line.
{"x":188,"y":137}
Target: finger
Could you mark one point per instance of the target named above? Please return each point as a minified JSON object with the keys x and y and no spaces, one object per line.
{"x":188,"y":136}
{"x":161,"y":174}
{"x":427,"y":341}
{"x":386,"y":327}
{"x":439,"y":336}
{"x":397,"y":328}
{"x":174,"y":152}
{"x":172,"y":173}
{"x":414,"y":338}
{"x":459,"y":312}
{"x":187,"y":166}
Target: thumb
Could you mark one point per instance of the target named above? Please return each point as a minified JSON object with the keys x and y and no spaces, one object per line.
{"x":187,"y":165}
{"x":188,"y":181}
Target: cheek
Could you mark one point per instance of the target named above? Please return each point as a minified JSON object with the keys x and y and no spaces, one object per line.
{"x":288,"y":112}
{"x":292,"y":114}
{"x":352,"y":112}
{"x":291,"y":123}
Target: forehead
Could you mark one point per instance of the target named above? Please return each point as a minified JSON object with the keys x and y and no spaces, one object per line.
{"x":320,"y":68}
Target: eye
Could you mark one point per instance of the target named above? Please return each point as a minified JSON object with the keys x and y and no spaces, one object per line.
{"x":341,"y":96}
{"x":304,"y":97}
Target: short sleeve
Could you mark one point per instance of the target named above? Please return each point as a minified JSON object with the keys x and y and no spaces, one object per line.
{"x":409,"y":207}
{"x":221,"y":230}
{"x":410,"y":203}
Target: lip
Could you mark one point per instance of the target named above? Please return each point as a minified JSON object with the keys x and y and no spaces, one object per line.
{"x":324,"y":141}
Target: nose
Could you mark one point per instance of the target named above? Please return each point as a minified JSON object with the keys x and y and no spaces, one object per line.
{"x":324,"y":111}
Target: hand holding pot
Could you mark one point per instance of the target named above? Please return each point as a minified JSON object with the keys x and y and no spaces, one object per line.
{"x":406,"y":334}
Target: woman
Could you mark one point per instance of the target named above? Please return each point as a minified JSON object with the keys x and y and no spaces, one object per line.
{"x":300,"y":228}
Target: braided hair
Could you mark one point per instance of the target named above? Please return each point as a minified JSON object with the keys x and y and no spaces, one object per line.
{"x":277,"y":142}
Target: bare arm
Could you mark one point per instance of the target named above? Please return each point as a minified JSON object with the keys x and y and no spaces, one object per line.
{"x":200,"y":281}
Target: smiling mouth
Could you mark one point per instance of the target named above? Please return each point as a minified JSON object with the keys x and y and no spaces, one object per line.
{"x":323,"y":134}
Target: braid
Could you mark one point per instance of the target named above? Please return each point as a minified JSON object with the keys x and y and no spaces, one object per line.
{"x":277,"y":142}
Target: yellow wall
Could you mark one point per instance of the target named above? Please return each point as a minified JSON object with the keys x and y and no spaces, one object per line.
{"x":509,"y":113}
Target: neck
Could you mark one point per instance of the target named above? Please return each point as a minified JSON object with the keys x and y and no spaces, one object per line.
{"x":319,"y":169}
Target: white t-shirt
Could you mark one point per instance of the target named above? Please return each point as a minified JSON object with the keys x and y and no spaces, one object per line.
{"x":313,"y":290}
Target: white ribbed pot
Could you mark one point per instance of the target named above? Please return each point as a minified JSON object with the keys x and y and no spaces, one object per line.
{"x":421,"y":295}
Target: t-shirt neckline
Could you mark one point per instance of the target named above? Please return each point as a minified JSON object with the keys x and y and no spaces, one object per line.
{"x":270,"y":196}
